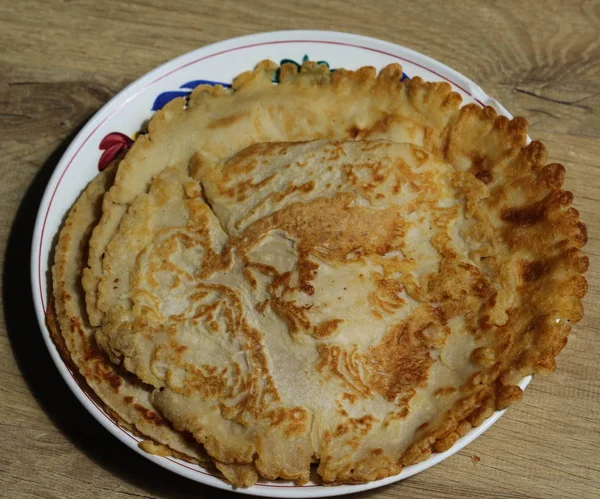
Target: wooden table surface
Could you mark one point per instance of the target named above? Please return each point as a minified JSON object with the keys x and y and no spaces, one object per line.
{"x":60,"y":61}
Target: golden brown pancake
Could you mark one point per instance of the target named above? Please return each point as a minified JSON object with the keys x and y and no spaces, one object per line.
{"x":357,"y":264}
{"x":125,"y":398}
{"x":343,"y":269}
{"x":308,"y":105}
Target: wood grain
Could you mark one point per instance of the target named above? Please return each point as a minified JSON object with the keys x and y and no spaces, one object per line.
{"x":60,"y":61}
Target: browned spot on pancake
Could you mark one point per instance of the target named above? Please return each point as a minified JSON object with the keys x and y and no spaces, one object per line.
{"x":484,"y":176}
{"x":398,"y":364}
{"x":106,"y":371}
{"x":386,"y":297}
{"x":341,"y":429}
{"x":354,"y":442}
{"x":179,"y":349}
{"x":206,"y":379}
{"x":293,"y":419}
{"x":336,"y":229}
{"x":249,"y":276}
{"x":344,"y":365}
{"x":327,"y":328}
{"x":262,"y":306}
{"x":150,"y":416}
{"x":481,"y":168}
{"x":382,"y":125}
{"x":346,"y":229}
{"x":306,"y":187}
{"x":419,"y":154}
{"x":445,"y":390}
{"x":525,"y":216}
{"x":242,"y":190}
{"x":90,"y":353}
{"x":227,"y":121}
{"x":307,"y":271}
{"x":396,"y":415}
{"x":458,"y":286}
{"x":484,"y":356}
{"x":128,"y":400}
{"x":350,"y":397}
{"x":531,"y":271}
{"x":364,"y":424}
{"x":353,"y":132}
{"x":368,"y":175}
{"x":298,"y":419}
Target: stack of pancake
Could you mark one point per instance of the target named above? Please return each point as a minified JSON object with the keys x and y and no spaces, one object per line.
{"x":343,"y":270}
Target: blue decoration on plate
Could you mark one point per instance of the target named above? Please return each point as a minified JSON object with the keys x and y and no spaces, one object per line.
{"x":164,"y":98}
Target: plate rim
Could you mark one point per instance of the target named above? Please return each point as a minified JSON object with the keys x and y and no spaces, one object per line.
{"x":118,"y":101}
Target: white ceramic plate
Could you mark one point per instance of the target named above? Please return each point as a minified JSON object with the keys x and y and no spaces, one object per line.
{"x":123,"y":116}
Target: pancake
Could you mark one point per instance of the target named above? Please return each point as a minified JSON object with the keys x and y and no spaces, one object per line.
{"x":311,"y":104}
{"x":343,"y":270}
{"x":122,"y":395}
{"x":390,"y":279}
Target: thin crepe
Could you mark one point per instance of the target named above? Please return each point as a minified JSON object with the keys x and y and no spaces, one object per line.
{"x":126,"y":398}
